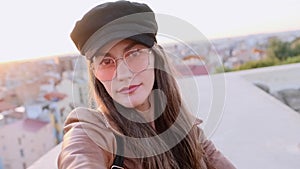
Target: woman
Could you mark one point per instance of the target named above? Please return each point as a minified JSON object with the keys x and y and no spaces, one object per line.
{"x":140,"y":121}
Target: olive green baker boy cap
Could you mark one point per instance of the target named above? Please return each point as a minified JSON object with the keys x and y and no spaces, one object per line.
{"x":114,"y":21}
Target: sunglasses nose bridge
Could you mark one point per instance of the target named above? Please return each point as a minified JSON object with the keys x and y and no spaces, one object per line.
{"x":119,"y":58}
{"x":117,"y":63}
{"x":122,"y":70}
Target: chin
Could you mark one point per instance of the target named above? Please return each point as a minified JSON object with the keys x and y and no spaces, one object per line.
{"x":133,"y":102}
{"x":130,"y":104}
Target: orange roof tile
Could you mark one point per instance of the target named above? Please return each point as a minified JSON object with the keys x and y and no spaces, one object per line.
{"x":54,"y":96}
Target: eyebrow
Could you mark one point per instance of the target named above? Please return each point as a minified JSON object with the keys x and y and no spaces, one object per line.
{"x":127,"y":48}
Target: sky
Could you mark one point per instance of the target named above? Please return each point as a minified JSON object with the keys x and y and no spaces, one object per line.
{"x":34,"y":28}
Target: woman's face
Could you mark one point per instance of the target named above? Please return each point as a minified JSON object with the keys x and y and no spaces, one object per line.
{"x":130,"y":86}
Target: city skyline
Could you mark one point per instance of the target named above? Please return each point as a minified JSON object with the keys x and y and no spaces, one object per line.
{"x":39,"y":30}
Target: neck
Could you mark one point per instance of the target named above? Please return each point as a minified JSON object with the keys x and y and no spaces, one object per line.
{"x":148,"y":111}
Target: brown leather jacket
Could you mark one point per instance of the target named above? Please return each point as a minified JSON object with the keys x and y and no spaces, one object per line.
{"x":88,"y":136}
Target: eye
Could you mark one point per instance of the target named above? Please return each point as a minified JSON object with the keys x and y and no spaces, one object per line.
{"x":133,"y":53}
{"x":106,"y":61}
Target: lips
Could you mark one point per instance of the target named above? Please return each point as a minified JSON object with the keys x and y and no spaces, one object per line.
{"x":130,"y":89}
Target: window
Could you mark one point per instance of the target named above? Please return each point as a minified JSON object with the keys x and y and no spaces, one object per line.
{"x":20,"y":141}
{"x":80,"y":95}
{"x":21,"y":152}
{"x":24,"y":165}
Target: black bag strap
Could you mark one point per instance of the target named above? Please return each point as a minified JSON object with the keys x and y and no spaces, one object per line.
{"x":119,"y":159}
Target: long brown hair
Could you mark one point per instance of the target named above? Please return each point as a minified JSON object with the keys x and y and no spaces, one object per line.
{"x":187,"y":153}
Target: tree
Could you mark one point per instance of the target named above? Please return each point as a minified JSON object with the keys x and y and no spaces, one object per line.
{"x":278,"y":49}
{"x":295,"y":47}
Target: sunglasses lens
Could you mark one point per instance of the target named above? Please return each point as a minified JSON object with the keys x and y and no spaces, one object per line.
{"x":138,"y":60}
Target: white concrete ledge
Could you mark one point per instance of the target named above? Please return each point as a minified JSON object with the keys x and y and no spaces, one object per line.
{"x":257,"y":130}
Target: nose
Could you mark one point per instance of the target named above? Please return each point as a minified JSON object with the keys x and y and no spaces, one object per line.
{"x":122,"y":70}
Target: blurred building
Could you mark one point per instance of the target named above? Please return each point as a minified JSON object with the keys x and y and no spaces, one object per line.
{"x":35,"y":99}
{"x":23,"y":142}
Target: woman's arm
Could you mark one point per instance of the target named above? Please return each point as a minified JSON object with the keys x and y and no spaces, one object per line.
{"x":84,"y":141}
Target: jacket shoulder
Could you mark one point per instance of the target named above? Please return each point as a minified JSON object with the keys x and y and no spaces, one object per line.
{"x":90,"y":123}
{"x":85,"y":115}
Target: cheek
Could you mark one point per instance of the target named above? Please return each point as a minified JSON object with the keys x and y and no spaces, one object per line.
{"x":107,"y":85}
{"x":148,"y":78}
{"x":148,"y":75}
